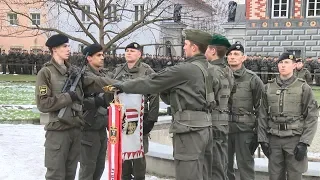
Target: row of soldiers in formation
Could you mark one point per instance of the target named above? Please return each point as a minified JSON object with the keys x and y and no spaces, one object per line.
{"x":220,"y":110}
{"x":23,"y":62}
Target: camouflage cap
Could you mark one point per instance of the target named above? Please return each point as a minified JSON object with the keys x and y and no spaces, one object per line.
{"x":197,"y":36}
{"x":219,"y":40}
{"x":286,"y":55}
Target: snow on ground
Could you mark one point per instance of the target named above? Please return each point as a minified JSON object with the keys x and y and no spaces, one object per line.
{"x":22,"y":153}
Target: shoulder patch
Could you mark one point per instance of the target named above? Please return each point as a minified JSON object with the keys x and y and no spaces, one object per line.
{"x":43,"y":90}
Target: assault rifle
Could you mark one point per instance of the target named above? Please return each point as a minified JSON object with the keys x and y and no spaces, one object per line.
{"x":68,"y":114}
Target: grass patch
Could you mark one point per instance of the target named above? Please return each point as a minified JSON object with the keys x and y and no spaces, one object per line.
{"x":17,"y":78}
{"x":18,"y":114}
{"x":17,"y":93}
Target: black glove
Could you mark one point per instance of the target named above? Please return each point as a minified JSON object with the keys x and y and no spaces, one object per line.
{"x":266,"y":149}
{"x":118,"y":86}
{"x":300,"y":151}
{"x":254,"y":144}
{"x":99,"y":100}
{"x":147,"y":126}
{"x":73,"y":95}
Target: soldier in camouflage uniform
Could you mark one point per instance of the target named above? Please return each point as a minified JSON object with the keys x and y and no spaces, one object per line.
{"x":286,"y":129}
{"x":215,"y":54}
{"x":183,"y":87}
{"x":264,"y":70}
{"x":11,"y":57}
{"x":25,"y":62}
{"x":93,"y":133}
{"x":246,"y":98}
{"x":62,"y":144}
{"x":301,"y":72}
{"x":316,"y":67}
{"x":4,"y":62}
{"x":133,"y":69}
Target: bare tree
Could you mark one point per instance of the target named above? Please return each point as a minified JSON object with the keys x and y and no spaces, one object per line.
{"x":107,"y":22}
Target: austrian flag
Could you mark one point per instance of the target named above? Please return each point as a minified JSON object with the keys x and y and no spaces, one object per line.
{"x":125,"y":132}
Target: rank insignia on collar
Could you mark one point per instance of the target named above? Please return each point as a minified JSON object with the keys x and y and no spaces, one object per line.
{"x":43,"y":90}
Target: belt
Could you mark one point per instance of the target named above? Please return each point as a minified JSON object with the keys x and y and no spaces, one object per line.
{"x":243,"y":118}
{"x":284,"y":126}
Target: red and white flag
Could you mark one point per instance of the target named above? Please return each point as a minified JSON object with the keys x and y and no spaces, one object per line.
{"x":114,"y":142}
{"x":132,"y":128}
{"x":125,"y":132}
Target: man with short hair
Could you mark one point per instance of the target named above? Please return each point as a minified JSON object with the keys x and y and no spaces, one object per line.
{"x":93,"y":133}
{"x":62,"y":144}
{"x":215,"y":54}
{"x":301,"y":72}
{"x":288,"y":120}
{"x":242,"y":139}
{"x":132,"y":69}
{"x":188,"y":89}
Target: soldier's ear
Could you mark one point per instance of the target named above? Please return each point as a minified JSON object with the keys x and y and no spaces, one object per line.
{"x":244,"y":58}
{"x":294,"y":65}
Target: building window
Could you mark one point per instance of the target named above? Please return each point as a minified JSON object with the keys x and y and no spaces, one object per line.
{"x":112,"y":12}
{"x":313,"y":8}
{"x":35,"y":18}
{"x":280,"y":8}
{"x":13,"y":19}
{"x":86,"y":9}
{"x":138,"y":12}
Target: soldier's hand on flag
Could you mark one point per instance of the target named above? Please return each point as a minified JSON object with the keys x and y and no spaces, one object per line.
{"x":113,"y":88}
{"x":117,"y":87}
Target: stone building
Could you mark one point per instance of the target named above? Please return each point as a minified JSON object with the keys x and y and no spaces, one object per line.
{"x":274,"y":26}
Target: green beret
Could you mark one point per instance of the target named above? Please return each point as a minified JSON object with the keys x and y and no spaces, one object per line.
{"x":237,"y":47}
{"x":299,"y":60}
{"x":219,"y":40}
{"x":134,"y":45}
{"x":197,"y":36}
{"x":286,"y":55}
{"x":92,"y":49}
{"x":57,"y":40}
